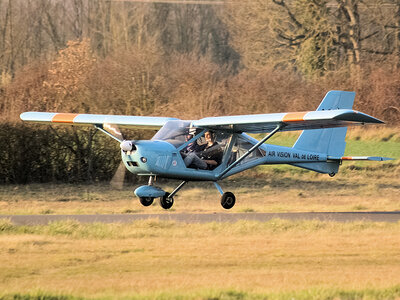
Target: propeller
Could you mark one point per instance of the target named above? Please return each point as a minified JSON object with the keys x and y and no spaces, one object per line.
{"x":113,"y":130}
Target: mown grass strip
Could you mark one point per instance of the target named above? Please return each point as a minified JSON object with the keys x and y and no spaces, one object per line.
{"x":38,"y":296}
{"x":309,"y":294}
{"x":157,"y":228}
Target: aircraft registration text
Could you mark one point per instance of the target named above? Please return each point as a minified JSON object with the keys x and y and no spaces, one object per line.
{"x":294,"y":155}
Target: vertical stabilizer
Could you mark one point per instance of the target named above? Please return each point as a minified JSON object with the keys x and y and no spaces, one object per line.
{"x":337,"y":100}
{"x":330,"y":141}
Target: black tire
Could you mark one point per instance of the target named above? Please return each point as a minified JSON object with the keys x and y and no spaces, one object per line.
{"x":166,"y":201}
{"x":228,"y":200}
{"x":146,"y":201}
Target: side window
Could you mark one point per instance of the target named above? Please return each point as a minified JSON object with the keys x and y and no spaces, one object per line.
{"x":223,"y":139}
{"x":240,"y":147}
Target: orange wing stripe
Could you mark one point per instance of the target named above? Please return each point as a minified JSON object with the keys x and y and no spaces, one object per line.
{"x":347,"y":158}
{"x":64,"y":118}
{"x":294,"y":117}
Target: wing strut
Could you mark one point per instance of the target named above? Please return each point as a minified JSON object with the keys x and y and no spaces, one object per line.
{"x":230,"y":167}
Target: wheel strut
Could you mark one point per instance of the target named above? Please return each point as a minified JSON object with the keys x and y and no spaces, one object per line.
{"x":167,"y":200}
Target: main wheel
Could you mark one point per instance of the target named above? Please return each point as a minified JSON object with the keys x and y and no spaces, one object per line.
{"x":166,"y":201}
{"x":146,"y":201}
{"x":228,"y":200}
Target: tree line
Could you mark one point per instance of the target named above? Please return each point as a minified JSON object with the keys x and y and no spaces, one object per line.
{"x":188,"y":61}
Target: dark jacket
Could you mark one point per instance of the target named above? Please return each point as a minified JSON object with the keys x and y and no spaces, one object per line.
{"x":213,"y":152}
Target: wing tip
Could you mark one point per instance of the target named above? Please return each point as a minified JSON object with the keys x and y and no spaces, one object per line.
{"x":356,"y":116}
{"x":34,"y":116}
{"x":24,"y":116}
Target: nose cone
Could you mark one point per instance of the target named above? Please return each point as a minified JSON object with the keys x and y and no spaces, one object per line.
{"x":127,"y":146}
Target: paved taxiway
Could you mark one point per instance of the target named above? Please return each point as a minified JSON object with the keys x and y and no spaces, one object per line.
{"x":208,"y":217}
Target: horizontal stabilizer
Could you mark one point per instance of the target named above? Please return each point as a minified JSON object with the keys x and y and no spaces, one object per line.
{"x":373,"y":158}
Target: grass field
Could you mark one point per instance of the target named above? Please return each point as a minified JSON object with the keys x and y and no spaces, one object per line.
{"x":245,"y":260}
{"x":167,"y":260}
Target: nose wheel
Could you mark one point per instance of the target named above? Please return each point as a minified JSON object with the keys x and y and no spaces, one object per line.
{"x":166,"y":201}
{"x":146,"y":201}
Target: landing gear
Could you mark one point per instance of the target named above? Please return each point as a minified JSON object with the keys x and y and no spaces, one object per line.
{"x":332,"y":174}
{"x":147,"y":194}
{"x":166,"y":201}
{"x":146,"y":201}
{"x":228,"y":200}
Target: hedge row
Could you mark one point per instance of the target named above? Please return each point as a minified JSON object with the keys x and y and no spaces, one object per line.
{"x":38,"y":153}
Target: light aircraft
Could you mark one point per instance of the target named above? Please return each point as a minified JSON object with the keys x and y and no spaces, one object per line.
{"x":222,"y":147}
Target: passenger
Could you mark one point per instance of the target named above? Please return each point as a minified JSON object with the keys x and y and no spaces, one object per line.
{"x":193,"y":146}
{"x":209,"y":158}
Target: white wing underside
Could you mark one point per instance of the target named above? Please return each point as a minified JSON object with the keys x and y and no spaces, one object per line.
{"x":244,"y":123}
{"x":292,"y":121}
{"x":95,"y":119}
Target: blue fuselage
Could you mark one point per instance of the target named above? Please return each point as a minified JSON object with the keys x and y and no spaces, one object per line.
{"x":160,"y":158}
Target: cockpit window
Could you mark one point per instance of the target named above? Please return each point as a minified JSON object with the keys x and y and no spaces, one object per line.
{"x":173,"y":132}
{"x":241,"y":147}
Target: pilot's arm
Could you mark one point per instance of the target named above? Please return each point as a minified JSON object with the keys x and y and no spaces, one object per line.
{"x":213,"y":156}
{"x":210,"y":162}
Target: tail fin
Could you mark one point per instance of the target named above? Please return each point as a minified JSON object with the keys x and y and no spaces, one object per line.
{"x":330,"y":141}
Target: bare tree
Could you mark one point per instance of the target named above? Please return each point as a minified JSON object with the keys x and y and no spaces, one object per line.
{"x":310,"y":36}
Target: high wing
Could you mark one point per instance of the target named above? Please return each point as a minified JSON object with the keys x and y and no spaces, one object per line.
{"x":96,"y":119}
{"x":291,"y":121}
{"x":243,"y":123}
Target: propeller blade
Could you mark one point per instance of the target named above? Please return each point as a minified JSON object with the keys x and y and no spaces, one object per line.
{"x":114,"y":131}
{"x":119,"y":177}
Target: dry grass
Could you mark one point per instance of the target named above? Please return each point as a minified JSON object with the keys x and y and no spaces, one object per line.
{"x":259,"y":191}
{"x":162,"y":258}
{"x":376,"y":133}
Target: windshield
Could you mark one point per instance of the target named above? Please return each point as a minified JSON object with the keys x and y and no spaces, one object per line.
{"x":174,"y":132}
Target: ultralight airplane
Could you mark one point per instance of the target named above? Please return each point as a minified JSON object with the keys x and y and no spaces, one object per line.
{"x":214,"y":148}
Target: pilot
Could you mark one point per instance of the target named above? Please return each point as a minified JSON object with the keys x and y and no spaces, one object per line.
{"x":209,"y":158}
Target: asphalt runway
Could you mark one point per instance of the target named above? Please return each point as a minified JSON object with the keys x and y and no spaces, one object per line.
{"x":208,"y":217}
